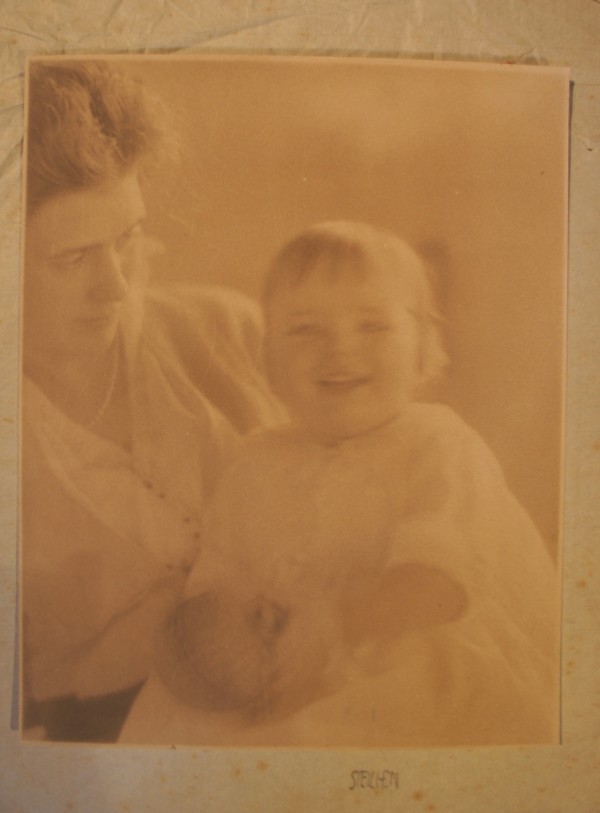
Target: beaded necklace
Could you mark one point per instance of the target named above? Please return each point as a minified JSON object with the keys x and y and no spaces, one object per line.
{"x":108,"y":394}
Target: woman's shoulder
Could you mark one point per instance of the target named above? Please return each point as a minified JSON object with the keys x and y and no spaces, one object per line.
{"x":213,"y":338}
{"x":212,"y":331}
{"x":205,"y":309}
{"x":200,"y":298}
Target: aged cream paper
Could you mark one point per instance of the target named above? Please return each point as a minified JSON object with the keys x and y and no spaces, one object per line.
{"x":331,"y":787}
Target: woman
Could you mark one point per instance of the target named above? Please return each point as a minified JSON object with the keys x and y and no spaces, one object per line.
{"x":133,"y":402}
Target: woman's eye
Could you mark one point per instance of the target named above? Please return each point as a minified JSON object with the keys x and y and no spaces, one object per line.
{"x":71,"y":261}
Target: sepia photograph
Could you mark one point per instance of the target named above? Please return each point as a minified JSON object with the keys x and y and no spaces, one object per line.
{"x":292,"y":401}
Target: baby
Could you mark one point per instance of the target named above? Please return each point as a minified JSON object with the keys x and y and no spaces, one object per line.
{"x":369,"y":516}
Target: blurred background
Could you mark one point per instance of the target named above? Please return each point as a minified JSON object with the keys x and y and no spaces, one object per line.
{"x":468,"y":163}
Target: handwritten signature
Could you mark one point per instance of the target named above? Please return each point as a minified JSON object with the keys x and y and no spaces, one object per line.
{"x":373,"y":780}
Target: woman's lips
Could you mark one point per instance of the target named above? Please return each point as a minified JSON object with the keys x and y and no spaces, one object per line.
{"x":341,"y":384}
{"x":101,"y":319}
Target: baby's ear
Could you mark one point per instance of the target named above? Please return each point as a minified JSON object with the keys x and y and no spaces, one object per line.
{"x":431,"y":360}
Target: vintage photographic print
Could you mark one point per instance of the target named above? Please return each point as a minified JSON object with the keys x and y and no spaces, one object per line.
{"x":292,"y":401}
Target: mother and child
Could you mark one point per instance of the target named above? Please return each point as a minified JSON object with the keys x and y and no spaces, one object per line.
{"x":355,"y":570}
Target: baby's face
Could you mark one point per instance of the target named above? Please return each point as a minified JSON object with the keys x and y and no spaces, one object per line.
{"x":342,"y":352}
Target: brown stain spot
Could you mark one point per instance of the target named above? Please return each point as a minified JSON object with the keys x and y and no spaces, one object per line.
{"x":541,"y":790}
{"x":70,"y":806}
{"x":596,"y":445}
{"x":236,"y":772}
{"x":417,"y":795}
{"x":261,"y":765}
{"x":581,"y":583}
{"x":430,"y":806}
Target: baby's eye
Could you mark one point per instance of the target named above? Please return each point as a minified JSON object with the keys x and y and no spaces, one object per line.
{"x":374,"y":326}
{"x":305,"y":329}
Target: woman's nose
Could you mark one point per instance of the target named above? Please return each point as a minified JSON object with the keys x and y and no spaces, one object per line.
{"x":110,"y":281}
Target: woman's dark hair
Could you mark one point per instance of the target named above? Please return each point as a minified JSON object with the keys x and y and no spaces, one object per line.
{"x":87,"y":124}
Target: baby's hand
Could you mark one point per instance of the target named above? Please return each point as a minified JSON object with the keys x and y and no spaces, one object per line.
{"x":406,"y":597}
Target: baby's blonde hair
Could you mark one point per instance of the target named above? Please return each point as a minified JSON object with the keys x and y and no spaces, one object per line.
{"x":349,"y":247}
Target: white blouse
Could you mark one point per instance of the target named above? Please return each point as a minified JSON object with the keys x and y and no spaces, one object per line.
{"x":108,"y":535}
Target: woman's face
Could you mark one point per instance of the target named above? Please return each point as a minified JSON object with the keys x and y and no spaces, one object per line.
{"x":343,"y":352}
{"x":82,"y":256}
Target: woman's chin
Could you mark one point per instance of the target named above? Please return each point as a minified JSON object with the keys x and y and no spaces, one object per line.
{"x":96,"y":335}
